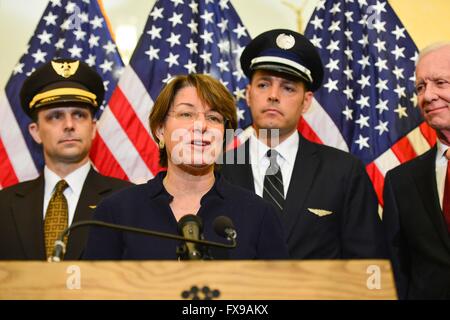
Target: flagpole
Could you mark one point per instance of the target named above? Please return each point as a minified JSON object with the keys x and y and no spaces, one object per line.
{"x":108,"y":22}
{"x":298,"y":10}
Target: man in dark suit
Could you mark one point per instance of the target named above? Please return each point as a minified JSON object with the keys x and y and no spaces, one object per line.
{"x":417,"y":193}
{"x":61,"y":98}
{"x":323,"y":195}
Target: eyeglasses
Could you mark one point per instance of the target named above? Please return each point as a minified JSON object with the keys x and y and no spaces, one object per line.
{"x":212,"y":118}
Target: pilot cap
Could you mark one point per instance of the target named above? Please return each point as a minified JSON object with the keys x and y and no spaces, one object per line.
{"x":284,"y":51}
{"x":59,"y":82}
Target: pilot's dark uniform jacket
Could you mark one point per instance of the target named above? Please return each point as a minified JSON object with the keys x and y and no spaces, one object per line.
{"x":330,"y":209}
{"x":58,"y":83}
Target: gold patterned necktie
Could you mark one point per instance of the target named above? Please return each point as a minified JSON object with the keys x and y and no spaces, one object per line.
{"x":56,"y":217}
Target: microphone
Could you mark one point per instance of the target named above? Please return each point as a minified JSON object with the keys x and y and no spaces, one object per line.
{"x":190,"y":226}
{"x":224,"y":227}
{"x":60,"y":247}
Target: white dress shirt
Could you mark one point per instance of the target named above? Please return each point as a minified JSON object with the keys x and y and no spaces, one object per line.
{"x":287,"y":152}
{"x":441,"y":169}
{"x":75,"y":180}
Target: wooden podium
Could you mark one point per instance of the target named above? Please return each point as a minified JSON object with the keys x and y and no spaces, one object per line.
{"x":255,"y":280}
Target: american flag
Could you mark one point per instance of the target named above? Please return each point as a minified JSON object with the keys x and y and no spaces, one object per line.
{"x":367,"y":104}
{"x":68,"y":29}
{"x":180,"y":37}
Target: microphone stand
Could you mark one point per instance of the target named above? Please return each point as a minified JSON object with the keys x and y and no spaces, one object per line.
{"x":60,"y":246}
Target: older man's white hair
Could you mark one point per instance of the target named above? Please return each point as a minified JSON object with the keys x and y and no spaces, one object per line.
{"x":432,"y":48}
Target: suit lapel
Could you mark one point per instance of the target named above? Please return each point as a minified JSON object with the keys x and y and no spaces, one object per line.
{"x":242,"y":170}
{"x":425,"y":179}
{"x":93,"y":188}
{"x":28,"y":215}
{"x":300,"y":183}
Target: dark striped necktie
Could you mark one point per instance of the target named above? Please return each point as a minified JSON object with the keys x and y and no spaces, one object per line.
{"x":273,"y":182}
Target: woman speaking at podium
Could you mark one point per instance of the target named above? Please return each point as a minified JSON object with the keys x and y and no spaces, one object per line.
{"x":188,"y":121}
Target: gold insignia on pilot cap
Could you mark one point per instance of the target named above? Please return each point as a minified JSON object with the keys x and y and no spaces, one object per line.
{"x":285,"y":41}
{"x":65,"y":69}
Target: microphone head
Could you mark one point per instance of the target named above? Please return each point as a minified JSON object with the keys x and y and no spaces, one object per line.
{"x":189,"y":219}
{"x":221,"y":224}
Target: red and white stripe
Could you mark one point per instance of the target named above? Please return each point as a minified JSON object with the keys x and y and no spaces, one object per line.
{"x":16,"y":163}
{"x":124,"y":132}
{"x":410,"y":146}
{"x":317,"y":126}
